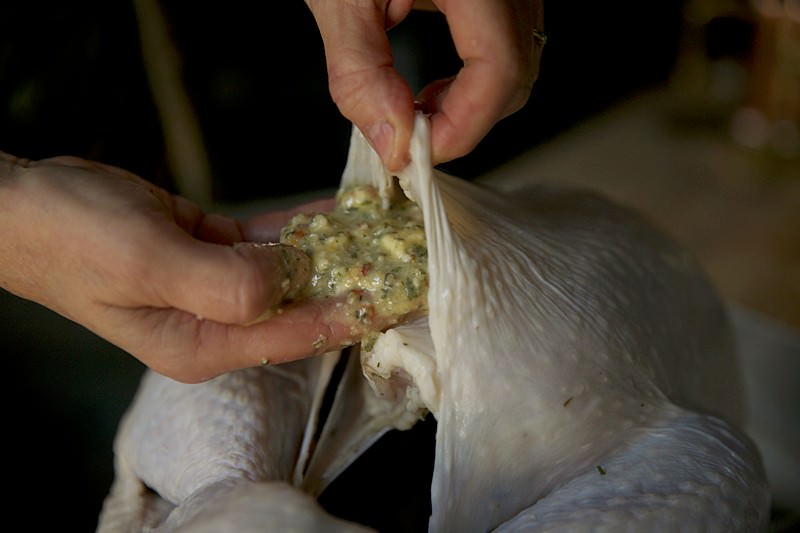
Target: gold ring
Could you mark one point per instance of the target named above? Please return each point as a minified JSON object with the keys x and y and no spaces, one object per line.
{"x":540,"y":37}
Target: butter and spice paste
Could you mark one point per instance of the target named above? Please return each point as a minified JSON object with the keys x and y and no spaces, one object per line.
{"x":374,"y":257}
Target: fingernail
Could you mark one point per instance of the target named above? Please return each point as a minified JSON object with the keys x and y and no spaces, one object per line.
{"x":287,"y":266}
{"x":381,"y":137}
{"x":297,"y":266}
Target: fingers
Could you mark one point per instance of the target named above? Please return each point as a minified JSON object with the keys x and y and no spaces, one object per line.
{"x":229,"y":284}
{"x":153,"y":274}
{"x":361,"y":75}
{"x":210,"y":271}
{"x":493,"y":38}
{"x":187,"y":349}
{"x":501,"y":62}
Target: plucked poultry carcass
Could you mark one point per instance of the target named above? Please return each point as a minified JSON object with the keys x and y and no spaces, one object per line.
{"x":579,"y":365}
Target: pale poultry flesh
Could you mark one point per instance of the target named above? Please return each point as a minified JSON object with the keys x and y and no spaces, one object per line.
{"x":578,"y":363}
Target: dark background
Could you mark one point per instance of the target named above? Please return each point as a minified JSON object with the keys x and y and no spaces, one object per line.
{"x":72,"y":82}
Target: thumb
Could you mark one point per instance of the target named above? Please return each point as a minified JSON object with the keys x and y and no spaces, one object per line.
{"x":362,"y":79}
{"x":230,"y":284}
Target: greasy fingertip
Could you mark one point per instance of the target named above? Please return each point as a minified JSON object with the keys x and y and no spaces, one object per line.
{"x":297,"y":267}
{"x":287,"y":270}
{"x":227,"y":284}
{"x":303,"y":329}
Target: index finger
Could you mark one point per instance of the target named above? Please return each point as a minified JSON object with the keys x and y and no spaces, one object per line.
{"x":363,"y":82}
{"x":191,"y":350}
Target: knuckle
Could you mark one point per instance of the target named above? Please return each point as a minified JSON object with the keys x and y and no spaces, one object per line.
{"x":347,"y":90}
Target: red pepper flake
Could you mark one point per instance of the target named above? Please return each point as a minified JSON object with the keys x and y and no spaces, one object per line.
{"x":365,"y":268}
{"x":365,"y":313}
{"x":299,"y":234}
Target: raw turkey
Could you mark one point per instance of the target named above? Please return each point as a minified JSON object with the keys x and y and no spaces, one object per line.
{"x":579,"y":365}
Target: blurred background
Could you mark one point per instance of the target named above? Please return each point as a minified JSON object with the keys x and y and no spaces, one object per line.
{"x":687,"y":110}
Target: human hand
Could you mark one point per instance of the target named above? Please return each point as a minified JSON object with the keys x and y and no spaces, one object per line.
{"x":495,"y":39}
{"x":177,"y":288}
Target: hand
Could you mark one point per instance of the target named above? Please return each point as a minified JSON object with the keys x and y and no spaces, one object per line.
{"x":494,"y":38}
{"x":153,"y":274}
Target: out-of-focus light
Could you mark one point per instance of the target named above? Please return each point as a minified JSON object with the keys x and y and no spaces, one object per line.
{"x":750,"y":128}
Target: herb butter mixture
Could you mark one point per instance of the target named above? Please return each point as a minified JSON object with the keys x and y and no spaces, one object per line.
{"x":377,"y":257}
